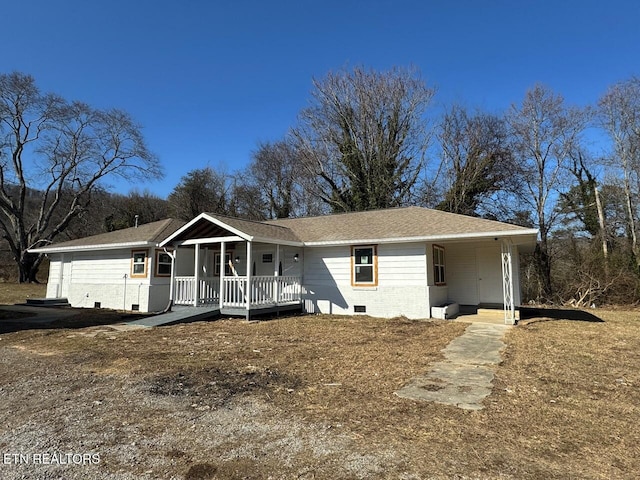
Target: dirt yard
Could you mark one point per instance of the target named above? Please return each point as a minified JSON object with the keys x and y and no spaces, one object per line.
{"x":312,"y":397}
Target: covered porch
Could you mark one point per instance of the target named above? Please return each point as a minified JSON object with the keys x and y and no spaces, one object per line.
{"x":482,"y":280}
{"x":228,"y":265}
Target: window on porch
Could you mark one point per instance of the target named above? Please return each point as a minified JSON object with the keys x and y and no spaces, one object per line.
{"x":438,"y":265}
{"x":163,"y":264}
{"x":227,"y":264}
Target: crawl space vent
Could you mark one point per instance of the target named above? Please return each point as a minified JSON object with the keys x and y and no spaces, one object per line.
{"x":360,"y":308}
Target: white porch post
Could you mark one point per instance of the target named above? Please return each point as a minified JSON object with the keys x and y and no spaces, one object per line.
{"x":223,"y":267}
{"x":249,"y":268}
{"x":196,"y":275}
{"x":507,"y":283}
{"x":276,"y":280}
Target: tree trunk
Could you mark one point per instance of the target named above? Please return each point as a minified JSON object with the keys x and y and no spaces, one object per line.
{"x":603,"y":230}
{"x":631,"y":224}
{"x":28,"y":267}
{"x":543,"y":265}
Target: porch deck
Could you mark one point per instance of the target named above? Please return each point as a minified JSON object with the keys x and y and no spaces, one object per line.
{"x":238,"y":293}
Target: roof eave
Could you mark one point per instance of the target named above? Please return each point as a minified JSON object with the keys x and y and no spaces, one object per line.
{"x":86,"y":248}
{"x":275,"y":241}
{"x":518,"y":234}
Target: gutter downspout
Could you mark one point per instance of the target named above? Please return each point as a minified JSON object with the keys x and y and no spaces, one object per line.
{"x":173,"y":278}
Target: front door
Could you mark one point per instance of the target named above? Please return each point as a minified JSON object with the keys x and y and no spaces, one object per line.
{"x":489,"y":275}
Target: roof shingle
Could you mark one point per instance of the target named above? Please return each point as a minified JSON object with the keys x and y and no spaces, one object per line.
{"x":153,"y":232}
{"x":397,"y":223}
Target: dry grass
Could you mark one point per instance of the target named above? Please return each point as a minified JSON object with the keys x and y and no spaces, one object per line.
{"x":565,"y":402}
{"x":14,"y":293}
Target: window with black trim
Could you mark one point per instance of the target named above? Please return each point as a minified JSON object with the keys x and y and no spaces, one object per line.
{"x":267,"y":258}
{"x":139,"y":263}
{"x":227,"y":265}
{"x":364,"y":263}
{"x":438,"y":265}
{"x":163,"y":264}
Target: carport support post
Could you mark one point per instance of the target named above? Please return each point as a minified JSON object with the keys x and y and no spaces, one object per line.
{"x":223,"y":267}
{"x":507,"y":283}
{"x":196,"y":275}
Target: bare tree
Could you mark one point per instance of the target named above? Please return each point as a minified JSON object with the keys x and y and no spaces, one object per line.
{"x":245,"y":200}
{"x":544,"y":132}
{"x":275,"y":170}
{"x":364,"y":137}
{"x":61,"y":152}
{"x":476,"y":159}
{"x":619,"y":115}
{"x":285,"y":185}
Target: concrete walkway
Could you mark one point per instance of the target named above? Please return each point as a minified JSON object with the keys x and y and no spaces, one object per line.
{"x":464,"y":378}
{"x":178,"y":314}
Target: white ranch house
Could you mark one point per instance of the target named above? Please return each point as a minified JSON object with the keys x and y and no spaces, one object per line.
{"x":408,"y":261}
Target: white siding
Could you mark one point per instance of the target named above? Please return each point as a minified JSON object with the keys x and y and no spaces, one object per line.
{"x":461,"y":273}
{"x":100,"y":277}
{"x":402,"y":264}
{"x":108,"y":266}
{"x":401,"y":289}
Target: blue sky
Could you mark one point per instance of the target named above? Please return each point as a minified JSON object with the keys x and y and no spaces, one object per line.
{"x":209,"y":80}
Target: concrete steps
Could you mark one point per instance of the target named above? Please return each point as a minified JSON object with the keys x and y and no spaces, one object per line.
{"x":48,"y":302}
{"x":494,"y":312}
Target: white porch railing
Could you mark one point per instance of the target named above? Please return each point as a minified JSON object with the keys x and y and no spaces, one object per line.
{"x":234,"y":289}
{"x":265,"y":291}
{"x":185,"y":290}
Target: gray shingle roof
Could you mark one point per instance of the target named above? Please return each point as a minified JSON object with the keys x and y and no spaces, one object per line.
{"x":398,"y":223}
{"x":152,"y":233}
{"x":259,"y":229}
{"x":408,"y":223}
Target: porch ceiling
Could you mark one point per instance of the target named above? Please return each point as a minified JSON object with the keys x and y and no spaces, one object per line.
{"x":206,"y":228}
{"x":202,"y":230}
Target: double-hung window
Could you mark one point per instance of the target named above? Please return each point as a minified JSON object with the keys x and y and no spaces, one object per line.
{"x":227,"y":265}
{"x":438,"y":265}
{"x":163,"y":264}
{"x":364,"y":266}
{"x":139,"y":263}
